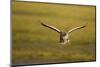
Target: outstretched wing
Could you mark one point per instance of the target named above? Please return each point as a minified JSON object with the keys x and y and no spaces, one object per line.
{"x":76,"y":28}
{"x":51,"y":27}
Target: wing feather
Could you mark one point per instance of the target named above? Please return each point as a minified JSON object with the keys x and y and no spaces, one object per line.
{"x":51,"y":27}
{"x":76,"y":28}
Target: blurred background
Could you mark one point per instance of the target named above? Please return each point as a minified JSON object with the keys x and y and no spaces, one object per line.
{"x":33,"y":43}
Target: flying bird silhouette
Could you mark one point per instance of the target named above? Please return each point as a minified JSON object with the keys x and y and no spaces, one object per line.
{"x":64,"y":36}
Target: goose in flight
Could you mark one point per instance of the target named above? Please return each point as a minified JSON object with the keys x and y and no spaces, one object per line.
{"x":64,"y":36}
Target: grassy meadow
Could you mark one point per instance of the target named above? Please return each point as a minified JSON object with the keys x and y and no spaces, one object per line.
{"x":33,"y":43}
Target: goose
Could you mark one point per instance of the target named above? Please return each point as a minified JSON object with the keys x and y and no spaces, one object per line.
{"x":64,"y":36}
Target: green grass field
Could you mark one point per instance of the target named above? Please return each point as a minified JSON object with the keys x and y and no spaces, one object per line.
{"x":33,"y":43}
